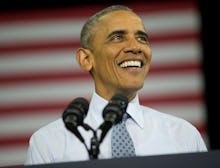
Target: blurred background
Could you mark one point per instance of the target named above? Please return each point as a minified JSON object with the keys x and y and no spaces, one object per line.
{"x":39,"y":75}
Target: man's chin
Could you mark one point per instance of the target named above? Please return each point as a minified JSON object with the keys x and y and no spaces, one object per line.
{"x":131,"y":89}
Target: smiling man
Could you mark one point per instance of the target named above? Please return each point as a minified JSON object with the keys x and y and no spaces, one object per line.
{"x":115,"y":50}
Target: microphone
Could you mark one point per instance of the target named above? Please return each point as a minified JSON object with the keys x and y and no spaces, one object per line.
{"x":74,"y":114}
{"x":113,"y":112}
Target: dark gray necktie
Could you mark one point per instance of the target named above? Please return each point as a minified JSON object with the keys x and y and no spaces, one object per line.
{"x":122,"y":144}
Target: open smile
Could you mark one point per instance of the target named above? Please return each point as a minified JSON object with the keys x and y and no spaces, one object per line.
{"x":131,"y":64}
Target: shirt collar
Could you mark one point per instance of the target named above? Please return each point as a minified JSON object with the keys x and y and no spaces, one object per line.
{"x":135,"y":111}
{"x":96,"y":106}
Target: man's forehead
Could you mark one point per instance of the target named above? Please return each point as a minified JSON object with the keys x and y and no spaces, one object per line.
{"x":118,"y":15}
{"x":119,"y":19}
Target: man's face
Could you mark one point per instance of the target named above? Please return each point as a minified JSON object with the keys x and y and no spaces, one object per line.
{"x":118,"y":65}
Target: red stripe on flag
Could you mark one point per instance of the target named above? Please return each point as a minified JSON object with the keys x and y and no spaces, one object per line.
{"x":42,"y":77}
{"x":39,"y":107}
{"x":77,"y":11}
{"x":16,"y":140}
{"x":73,"y":44}
{"x":22,"y":140}
{"x":176,"y":98}
{"x":14,"y":79}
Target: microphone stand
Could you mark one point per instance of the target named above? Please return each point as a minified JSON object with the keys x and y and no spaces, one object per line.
{"x":111,"y":113}
{"x":94,"y":147}
{"x":95,"y":142}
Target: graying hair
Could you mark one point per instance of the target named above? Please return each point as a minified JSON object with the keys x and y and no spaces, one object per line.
{"x":88,"y":29}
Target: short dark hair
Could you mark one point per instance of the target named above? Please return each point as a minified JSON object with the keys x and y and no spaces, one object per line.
{"x":88,"y":28}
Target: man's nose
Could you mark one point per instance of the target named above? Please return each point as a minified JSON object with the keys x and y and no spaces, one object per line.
{"x":133,"y":46}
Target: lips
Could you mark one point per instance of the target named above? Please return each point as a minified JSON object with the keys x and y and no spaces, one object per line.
{"x":131,"y":63}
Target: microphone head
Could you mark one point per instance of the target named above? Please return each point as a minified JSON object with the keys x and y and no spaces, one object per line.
{"x":81,"y":103}
{"x":75,"y":112}
{"x":120,"y":100}
{"x":115,"y":109}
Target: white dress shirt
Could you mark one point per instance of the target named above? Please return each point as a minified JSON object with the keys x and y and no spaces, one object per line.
{"x":153,"y":133}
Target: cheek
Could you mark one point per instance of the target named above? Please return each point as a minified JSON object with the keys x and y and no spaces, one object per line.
{"x":106,"y":57}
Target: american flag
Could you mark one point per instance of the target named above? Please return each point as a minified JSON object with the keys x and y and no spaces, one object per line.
{"x":39,"y":75}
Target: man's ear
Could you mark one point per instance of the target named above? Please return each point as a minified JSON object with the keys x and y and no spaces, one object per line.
{"x":84,"y":58}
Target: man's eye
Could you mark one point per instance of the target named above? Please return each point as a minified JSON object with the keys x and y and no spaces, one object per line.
{"x":116,"y":37}
{"x":142,"y":39}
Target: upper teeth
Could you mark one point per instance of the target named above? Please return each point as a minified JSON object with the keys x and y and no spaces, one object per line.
{"x":130,"y":63}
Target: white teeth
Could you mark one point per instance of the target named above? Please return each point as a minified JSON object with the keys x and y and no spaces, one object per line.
{"x":130,"y":64}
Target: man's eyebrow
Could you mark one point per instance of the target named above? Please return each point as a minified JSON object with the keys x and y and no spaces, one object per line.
{"x":116,"y":32}
{"x":140,"y":32}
